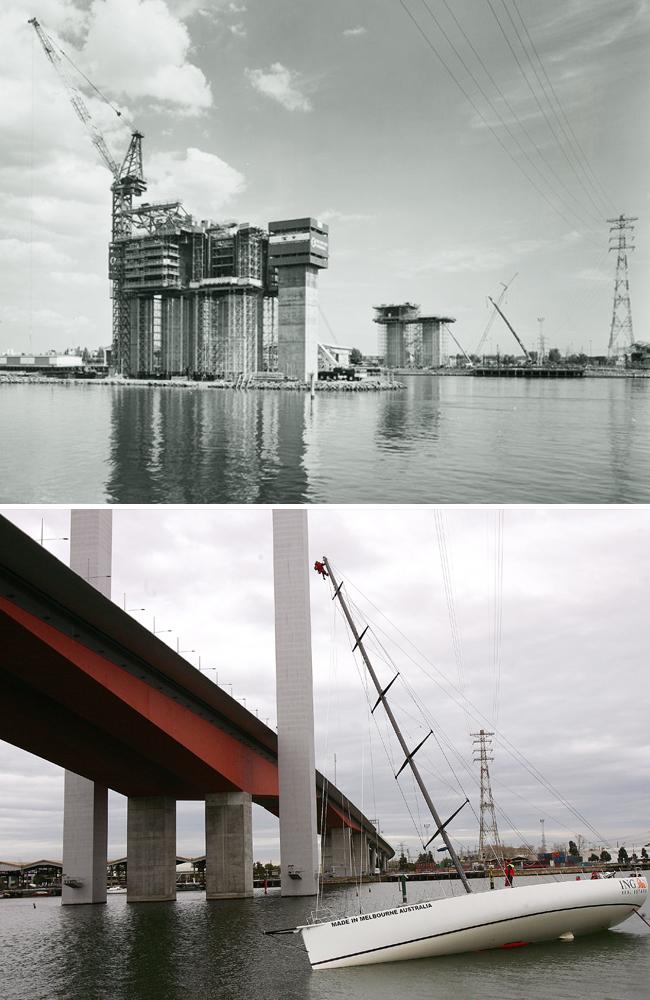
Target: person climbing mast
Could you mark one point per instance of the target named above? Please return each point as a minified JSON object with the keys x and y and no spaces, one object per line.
{"x":320,"y":568}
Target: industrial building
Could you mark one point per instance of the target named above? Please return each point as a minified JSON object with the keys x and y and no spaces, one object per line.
{"x":409,"y":340}
{"x":199,"y":298}
{"x":212,"y":300}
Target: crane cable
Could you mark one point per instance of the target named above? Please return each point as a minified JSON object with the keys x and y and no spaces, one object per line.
{"x":91,"y":84}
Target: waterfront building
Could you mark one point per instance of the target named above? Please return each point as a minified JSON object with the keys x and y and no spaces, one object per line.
{"x":218,"y":300}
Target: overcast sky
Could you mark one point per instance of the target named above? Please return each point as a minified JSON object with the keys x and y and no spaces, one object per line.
{"x":572,"y":661}
{"x":417,"y":158}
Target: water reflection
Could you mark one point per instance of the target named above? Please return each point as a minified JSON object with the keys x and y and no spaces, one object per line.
{"x":405,"y":418}
{"x":443,"y":439}
{"x":194,"y":950}
{"x":207,"y":446}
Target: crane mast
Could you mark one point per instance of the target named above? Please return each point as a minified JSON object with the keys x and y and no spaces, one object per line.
{"x":128,"y":181}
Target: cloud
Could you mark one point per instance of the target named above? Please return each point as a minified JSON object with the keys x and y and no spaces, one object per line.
{"x":203,"y":181}
{"x":354,"y":32}
{"x":562,"y":629}
{"x":238,"y":30}
{"x":138,"y":48}
{"x":282,"y":85}
{"x":334,"y":215}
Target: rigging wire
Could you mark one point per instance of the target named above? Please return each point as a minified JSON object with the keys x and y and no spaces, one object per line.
{"x":498,"y":615}
{"x":449,"y":595}
{"x":478,"y":111}
{"x":385,"y":744}
{"x":90,"y":83}
{"x":440,"y":735}
{"x":451,"y":691}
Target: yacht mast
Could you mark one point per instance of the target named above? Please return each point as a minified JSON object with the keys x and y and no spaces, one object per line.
{"x":358,"y":638}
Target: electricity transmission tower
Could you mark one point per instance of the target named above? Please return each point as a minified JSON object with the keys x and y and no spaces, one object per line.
{"x":489,"y":845}
{"x":620,"y":334}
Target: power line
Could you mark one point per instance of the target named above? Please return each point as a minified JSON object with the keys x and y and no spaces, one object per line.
{"x":533,"y":92}
{"x":512,"y":111}
{"x":589,"y":172}
{"x":478,"y":111}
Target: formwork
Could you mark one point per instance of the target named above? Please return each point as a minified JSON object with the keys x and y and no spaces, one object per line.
{"x":229,"y":324}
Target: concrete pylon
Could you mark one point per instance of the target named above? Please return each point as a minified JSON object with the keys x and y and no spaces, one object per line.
{"x":151,"y":849}
{"x":228,"y":845}
{"x":298,"y":321}
{"x":295,"y":705}
{"x":85,"y":809}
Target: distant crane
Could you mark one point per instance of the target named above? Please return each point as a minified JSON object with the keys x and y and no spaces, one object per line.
{"x":502,"y":295}
{"x":128,"y":180}
{"x":529,"y":360}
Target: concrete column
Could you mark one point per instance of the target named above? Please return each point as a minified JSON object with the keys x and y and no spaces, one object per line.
{"x":298,"y":320}
{"x":85,"y":805}
{"x":85,"y":841}
{"x":91,"y":541}
{"x":151,"y":849}
{"x":395,"y":350}
{"x":337,"y":851}
{"x":228,"y":845}
{"x":295,"y":704}
{"x":359,"y":853}
{"x":427,"y":343}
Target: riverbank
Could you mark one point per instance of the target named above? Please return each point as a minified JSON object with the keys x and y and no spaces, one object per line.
{"x":366,"y":385}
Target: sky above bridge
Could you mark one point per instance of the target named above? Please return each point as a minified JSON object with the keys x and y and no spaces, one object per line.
{"x":529,"y":622}
{"x":443,"y":154}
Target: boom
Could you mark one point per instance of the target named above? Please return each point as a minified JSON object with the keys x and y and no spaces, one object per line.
{"x":76,"y":98}
{"x":128,"y":180}
{"x":511,"y":328}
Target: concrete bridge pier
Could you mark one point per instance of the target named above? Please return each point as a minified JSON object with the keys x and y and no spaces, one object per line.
{"x":295,"y":705}
{"x":337,"y":851}
{"x":85,"y":806}
{"x":360,"y":855}
{"x":85,"y":840}
{"x":151,"y":849}
{"x":228,"y":845}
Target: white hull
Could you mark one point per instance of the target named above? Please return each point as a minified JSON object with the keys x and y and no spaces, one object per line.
{"x":504,"y":918}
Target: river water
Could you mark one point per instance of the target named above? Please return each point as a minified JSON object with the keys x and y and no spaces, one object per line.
{"x":441,"y":440}
{"x":192,"y":950}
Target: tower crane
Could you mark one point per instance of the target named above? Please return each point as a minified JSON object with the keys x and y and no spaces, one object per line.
{"x":128,"y":181}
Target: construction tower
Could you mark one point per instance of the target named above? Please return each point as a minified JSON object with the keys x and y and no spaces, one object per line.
{"x":128,"y":180}
{"x":620,"y":334}
{"x":489,"y":845}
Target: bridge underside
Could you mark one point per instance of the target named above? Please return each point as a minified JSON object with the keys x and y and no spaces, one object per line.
{"x":88,"y":688}
{"x":73,"y":707}
{"x":69,"y":704}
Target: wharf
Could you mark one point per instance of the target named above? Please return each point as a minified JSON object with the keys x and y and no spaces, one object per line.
{"x":532,"y":371}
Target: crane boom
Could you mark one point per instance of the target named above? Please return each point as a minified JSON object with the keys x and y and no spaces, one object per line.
{"x":502,"y":295}
{"x":511,"y":328}
{"x":128,"y":180}
{"x":458,"y":344}
{"x":76,"y":98}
